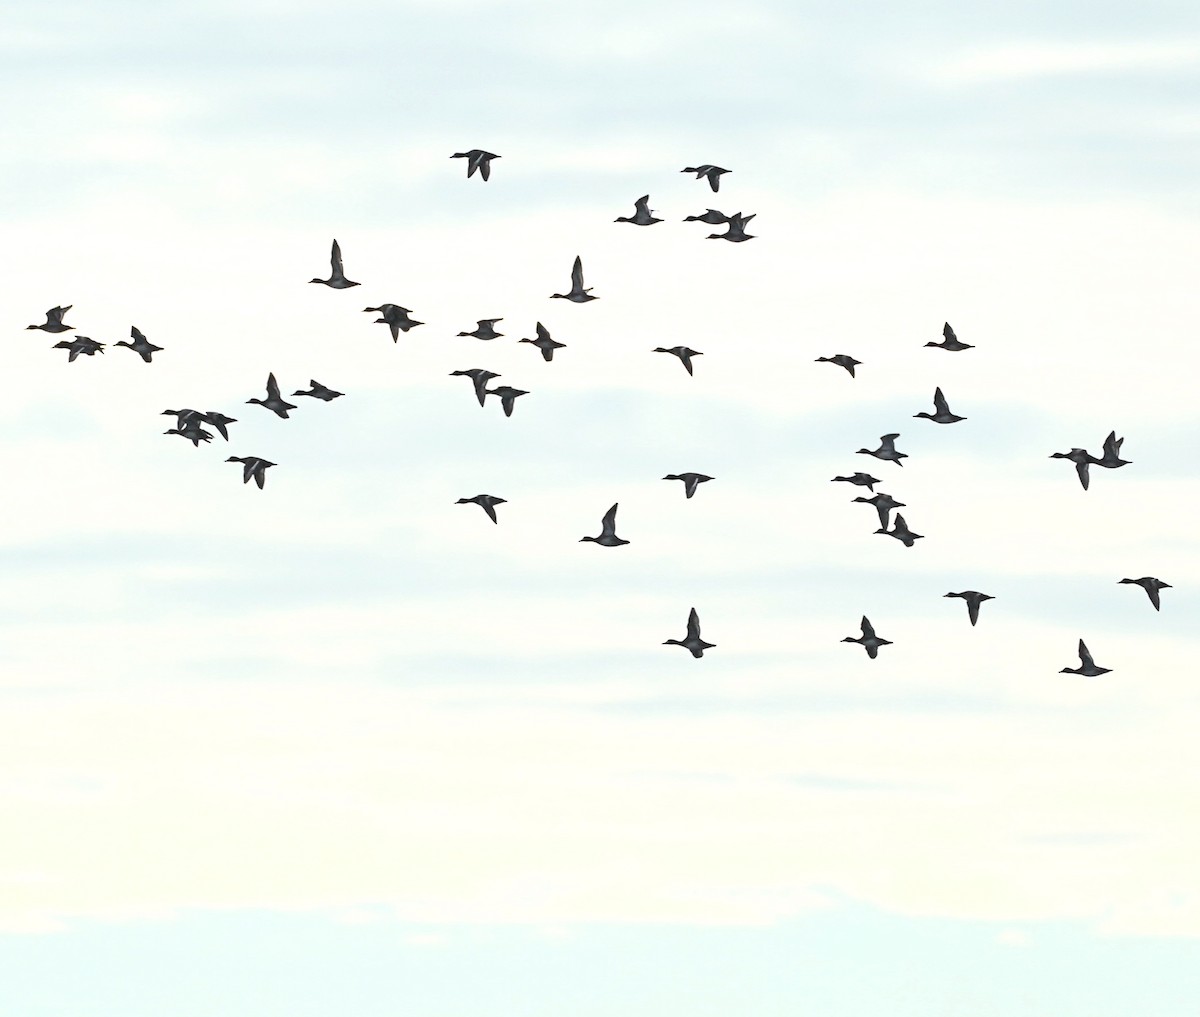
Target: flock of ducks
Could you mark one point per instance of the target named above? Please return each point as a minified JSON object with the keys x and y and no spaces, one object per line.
{"x":190,"y":423}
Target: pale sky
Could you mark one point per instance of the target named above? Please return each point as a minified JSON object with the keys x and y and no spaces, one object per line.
{"x":366,"y":752}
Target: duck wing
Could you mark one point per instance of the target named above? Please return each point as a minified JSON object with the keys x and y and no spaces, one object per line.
{"x":1085,"y":658}
{"x":609,"y":523}
{"x":693,"y":625}
{"x":577,"y":275}
{"x":939,"y":402}
{"x":1081,"y":467}
{"x":335,"y":260}
{"x":272,"y":387}
{"x":868,"y":631}
{"x":948,"y":333}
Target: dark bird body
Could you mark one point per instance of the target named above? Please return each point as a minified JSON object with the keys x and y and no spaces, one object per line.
{"x":508,"y":395}
{"x":884,"y":503}
{"x":479,"y":378}
{"x":54,"y":320}
{"x":683,"y":353}
{"x":337,"y":278}
{"x":395,"y":317}
{"x":140,"y":345}
{"x":1082,"y":459}
{"x":692,"y":642}
{"x":544,"y":343}
{"x":710,"y":216}
{"x":736,"y":231}
{"x":318,"y":391}
{"x":273,"y":402}
{"x":484,"y":329}
{"x":712,"y":173}
{"x":80,"y":344}
{"x":192,"y":431}
{"x":577,"y":294}
{"x":901,"y":532}
{"x":690,"y":481}
{"x":642,"y":215}
{"x":477,"y":159}
{"x":1151,"y":586}
{"x":486,"y":502}
{"x":868,"y":640}
{"x":1111,"y":459}
{"x":942,"y":414}
{"x":1087,"y":667}
{"x":252,"y":466}
{"x":950,"y":341}
{"x":859,"y":480}
{"x":886,"y":450}
{"x":842,"y":360}
{"x":973,"y":600}
{"x":608,"y":531}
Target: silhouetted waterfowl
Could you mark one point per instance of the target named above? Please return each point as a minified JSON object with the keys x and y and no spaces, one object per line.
{"x":692,"y":643}
{"x":318,"y":391}
{"x":886,"y":450}
{"x":337,"y":278}
{"x":218,"y":420}
{"x":973,"y":600}
{"x":544,"y":343}
{"x":868,"y":640}
{"x":1087,"y":667}
{"x":252,"y":466}
{"x":901,"y":532}
{"x":1112,"y":453}
{"x":642,"y":216}
{"x":1081,"y":458}
{"x":884,"y":503}
{"x":860,"y":480}
{"x":486,"y":502}
{"x":477,"y":159}
{"x":140,"y":345}
{"x":578,"y":294}
{"x":273,"y":402}
{"x":1151,"y":586}
{"x":842,"y":360}
{"x":690,"y":481}
{"x":508,"y":396}
{"x":80,"y":344}
{"x":683,"y":353}
{"x":184,"y":417}
{"x":943,"y":414}
{"x":736,"y":232}
{"x":54,"y":320}
{"x":395,"y":317}
{"x":950,"y":342}
{"x":484,"y":329}
{"x":713,"y":173}
{"x":710,"y":216}
{"x":192,"y":431}
{"x":608,"y":531}
{"x":479,"y":378}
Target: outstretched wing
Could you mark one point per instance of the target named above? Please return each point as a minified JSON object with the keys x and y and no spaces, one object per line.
{"x":272,"y":387}
{"x":1085,"y":658}
{"x":335,"y":259}
{"x":609,"y":522}
{"x":939,"y":402}
{"x":868,"y":631}
{"x":948,"y":333}
{"x":693,"y":626}
{"x":541,"y":331}
{"x":1081,"y":467}
{"x":577,"y":274}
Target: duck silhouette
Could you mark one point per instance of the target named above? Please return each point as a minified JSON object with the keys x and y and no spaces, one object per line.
{"x":1151,"y":586}
{"x":219,"y":421}
{"x":901,"y":532}
{"x":487,"y":502}
{"x":318,"y":391}
{"x":479,"y":378}
{"x":1111,"y":459}
{"x":692,"y":642}
{"x":736,"y":232}
{"x":886,"y":450}
{"x":1082,"y":459}
{"x":608,"y":531}
{"x":395,"y":317}
{"x":273,"y":402}
{"x":884,"y":503}
{"x":642,"y":215}
{"x":477,"y":159}
{"x":859,"y":480}
{"x":140,"y":345}
{"x":192,"y":431}
{"x":950,"y":341}
{"x":544,"y":343}
{"x":337,"y":278}
{"x":484,"y":329}
{"x":1087,"y":667}
{"x":683,"y":353}
{"x":577,"y":293}
{"x":842,"y":360}
{"x":508,"y":395}
{"x":80,"y":344}
{"x":868,"y":640}
{"x":710,"y":216}
{"x":252,"y":466}
{"x":54,"y":320}
{"x":712,"y":173}
{"x":690,"y":481}
{"x":943,"y":414}
{"x":973,"y":600}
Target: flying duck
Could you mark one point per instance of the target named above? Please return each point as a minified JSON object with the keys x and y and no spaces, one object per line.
{"x":218,"y":420}
{"x":690,"y":481}
{"x":395,"y":317}
{"x":737,"y":229}
{"x":486,"y":502}
{"x":943,"y":414}
{"x":140,"y":345}
{"x":484,"y":329}
{"x":477,"y":159}
{"x":1112,"y":453}
{"x":479,"y":378}
{"x":683,"y":353}
{"x":337,"y":279}
{"x":886,"y":450}
{"x":608,"y":531}
{"x":692,"y":643}
{"x":1081,"y":458}
{"x":710,"y":216}
{"x":578,"y":294}
{"x":54,"y":320}
{"x":950,"y":342}
{"x":508,"y":396}
{"x":713,"y":173}
{"x":1151,"y":586}
{"x":841,"y":360}
{"x":318,"y":391}
{"x":273,"y":402}
{"x":252,"y":466}
{"x":544,"y":343}
{"x":192,"y":431}
{"x":1087,"y":667}
{"x":901,"y":532}
{"x":868,"y":640}
{"x":884,"y":503}
{"x":973,"y":600}
{"x":860,"y":480}
{"x":183,"y":417}
{"x":642,"y":216}
{"x":80,"y":344}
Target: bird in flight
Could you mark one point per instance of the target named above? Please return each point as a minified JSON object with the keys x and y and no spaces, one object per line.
{"x":642,"y":215}
{"x":842,"y":360}
{"x":710,"y":216}
{"x":1112,"y":453}
{"x":544,"y":343}
{"x":884,"y":503}
{"x":1087,"y":666}
{"x":692,"y":642}
{"x":395,"y":317}
{"x":273,"y":402}
{"x":479,"y":378}
{"x":943,"y":414}
{"x":868,"y":640}
{"x":192,"y":431}
{"x":691,"y":481}
{"x":54,"y":320}
{"x":1151,"y":586}
{"x":950,"y":341}
{"x":80,"y":344}
{"x":484,"y":329}
{"x":508,"y":395}
{"x":859,"y":480}
{"x":901,"y":532}
{"x":578,"y":294}
{"x":713,"y":173}
{"x":886,"y":450}
{"x":973,"y":600}
{"x":252,"y":466}
{"x":608,"y":531}
{"x":140,"y":345}
{"x":1082,"y":459}
{"x":477,"y":159}
{"x":683,"y":353}
{"x":736,"y":232}
{"x":486,"y":502}
{"x":337,"y":278}
{"x":318,"y":391}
